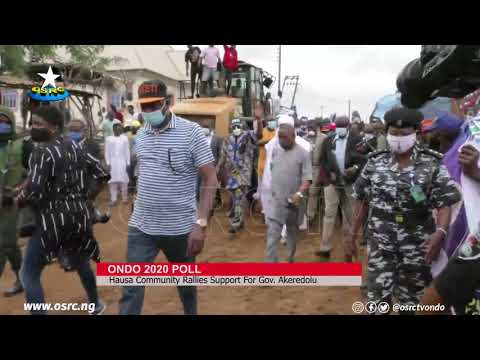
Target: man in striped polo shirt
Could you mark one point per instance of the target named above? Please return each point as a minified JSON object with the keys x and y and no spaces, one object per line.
{"x":171,"y":151}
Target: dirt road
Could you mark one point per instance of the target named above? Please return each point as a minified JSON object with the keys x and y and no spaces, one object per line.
{"x":248,"y":246}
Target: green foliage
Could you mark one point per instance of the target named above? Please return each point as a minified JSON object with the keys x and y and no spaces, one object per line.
{"x":15,"y":58}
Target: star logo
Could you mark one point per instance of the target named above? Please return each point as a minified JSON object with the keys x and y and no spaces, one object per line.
{"x":49,"y":78}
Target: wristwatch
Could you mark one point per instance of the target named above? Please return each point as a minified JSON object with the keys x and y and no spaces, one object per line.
{"x":202,"y":223}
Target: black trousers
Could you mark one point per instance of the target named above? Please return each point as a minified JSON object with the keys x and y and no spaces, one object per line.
{"x":194,"y":72}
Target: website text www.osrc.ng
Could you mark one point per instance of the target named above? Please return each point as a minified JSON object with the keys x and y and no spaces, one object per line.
{"x":45,"y":307}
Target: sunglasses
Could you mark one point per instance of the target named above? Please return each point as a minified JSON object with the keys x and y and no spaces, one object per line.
{"x":236,"y":127}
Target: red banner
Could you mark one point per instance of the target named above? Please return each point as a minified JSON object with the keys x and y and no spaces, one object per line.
{"x":229,"y":269}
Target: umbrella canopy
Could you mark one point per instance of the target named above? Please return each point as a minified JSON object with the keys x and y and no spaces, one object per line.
{"x":429,"y":110}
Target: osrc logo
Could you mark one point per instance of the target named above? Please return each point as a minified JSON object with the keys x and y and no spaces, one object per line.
{"x":49,"y":90}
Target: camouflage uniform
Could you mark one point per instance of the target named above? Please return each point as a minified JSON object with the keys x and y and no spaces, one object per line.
{"x":398,"y":224}
{"x":238,"y":153}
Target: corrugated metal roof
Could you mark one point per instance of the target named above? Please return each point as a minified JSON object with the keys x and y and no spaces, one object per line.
{"x":161,"y":59}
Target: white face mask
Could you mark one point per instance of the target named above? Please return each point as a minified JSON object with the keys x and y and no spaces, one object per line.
{"x":341,"y":132}
{"x":401,"y":144}
{"x":237,"y":132}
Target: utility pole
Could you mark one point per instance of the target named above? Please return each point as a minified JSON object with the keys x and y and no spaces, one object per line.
{"x":279,"y":67}
{"x":349,"y":107}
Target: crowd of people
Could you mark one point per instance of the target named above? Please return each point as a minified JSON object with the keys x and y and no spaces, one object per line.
{"x":406,"y":188}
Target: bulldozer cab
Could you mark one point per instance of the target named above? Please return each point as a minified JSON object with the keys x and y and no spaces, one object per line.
{"x":245,"y":92}
{"x":247,"y":86}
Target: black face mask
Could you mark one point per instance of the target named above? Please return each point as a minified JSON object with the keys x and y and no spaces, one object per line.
{"x":40,"y":134}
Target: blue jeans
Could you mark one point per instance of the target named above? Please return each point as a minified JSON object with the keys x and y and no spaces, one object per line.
{"x":144,"y":248}
{"x":31,"y":271}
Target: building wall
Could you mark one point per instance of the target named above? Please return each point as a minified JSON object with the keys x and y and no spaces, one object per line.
{"x":12,"y":97}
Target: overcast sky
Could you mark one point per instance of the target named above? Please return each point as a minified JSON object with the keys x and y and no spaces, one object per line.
{"x":332,"y":74}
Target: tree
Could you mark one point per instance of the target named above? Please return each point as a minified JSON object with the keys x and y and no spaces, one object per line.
{"x":80,"y":65}
{"x":16,"y":59}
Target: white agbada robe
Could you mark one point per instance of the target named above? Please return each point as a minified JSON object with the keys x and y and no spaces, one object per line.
{"x":117,"y":156}
{"x":471,"y":194}
{"x":265,"y":192}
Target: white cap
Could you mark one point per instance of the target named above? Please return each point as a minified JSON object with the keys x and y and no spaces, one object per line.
{"x":286,"y":119}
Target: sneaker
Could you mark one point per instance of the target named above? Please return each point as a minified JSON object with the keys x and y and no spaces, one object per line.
{"x":99,"y":308}
{"x":283,"y":240}
{"x":232,"y":230}
{"x":17,"y":288}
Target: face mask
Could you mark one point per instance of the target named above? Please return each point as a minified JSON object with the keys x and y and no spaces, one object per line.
{"x":206,"y":131}
{"x":312,"y":133}
{"x":75,"y":136}
{"x":272,"y":125}
{"x":341,"y":132}
{"x":5,"y":129}
{"x":40,"y":134}
{"x":237,"y":132}
{"x":401,"y":144}
{"x":155,"y":118}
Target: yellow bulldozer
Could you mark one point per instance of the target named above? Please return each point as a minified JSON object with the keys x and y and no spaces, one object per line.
{"x":247,"y":90}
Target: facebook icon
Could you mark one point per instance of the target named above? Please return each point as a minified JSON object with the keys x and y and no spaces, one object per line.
{"x":371,"y":307}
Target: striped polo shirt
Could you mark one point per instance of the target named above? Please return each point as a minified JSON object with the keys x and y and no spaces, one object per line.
{"x":168,"y":169}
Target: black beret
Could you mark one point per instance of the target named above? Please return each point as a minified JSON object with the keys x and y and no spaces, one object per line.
{"x":402,"y":117}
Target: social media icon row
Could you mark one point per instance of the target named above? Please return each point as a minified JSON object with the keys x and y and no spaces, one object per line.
{"x":371,"y":307}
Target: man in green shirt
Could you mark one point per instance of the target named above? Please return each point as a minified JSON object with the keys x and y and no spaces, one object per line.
{"x":107,"y":125}
{"x":11,"y":174}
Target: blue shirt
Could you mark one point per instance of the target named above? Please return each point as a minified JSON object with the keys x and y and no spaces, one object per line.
{"x":168,"y":167}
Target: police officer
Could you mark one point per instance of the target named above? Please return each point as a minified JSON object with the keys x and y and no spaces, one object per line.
{"x":398,"y":189}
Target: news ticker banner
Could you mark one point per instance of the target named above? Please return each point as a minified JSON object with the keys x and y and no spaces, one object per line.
{"x":229,"y":274}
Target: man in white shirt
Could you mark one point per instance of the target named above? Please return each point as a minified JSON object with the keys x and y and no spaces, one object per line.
{"x":276,"y":104}
{"x":117,"y":157}
{"x":130,"y":116}
{"x":211,"y":58}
